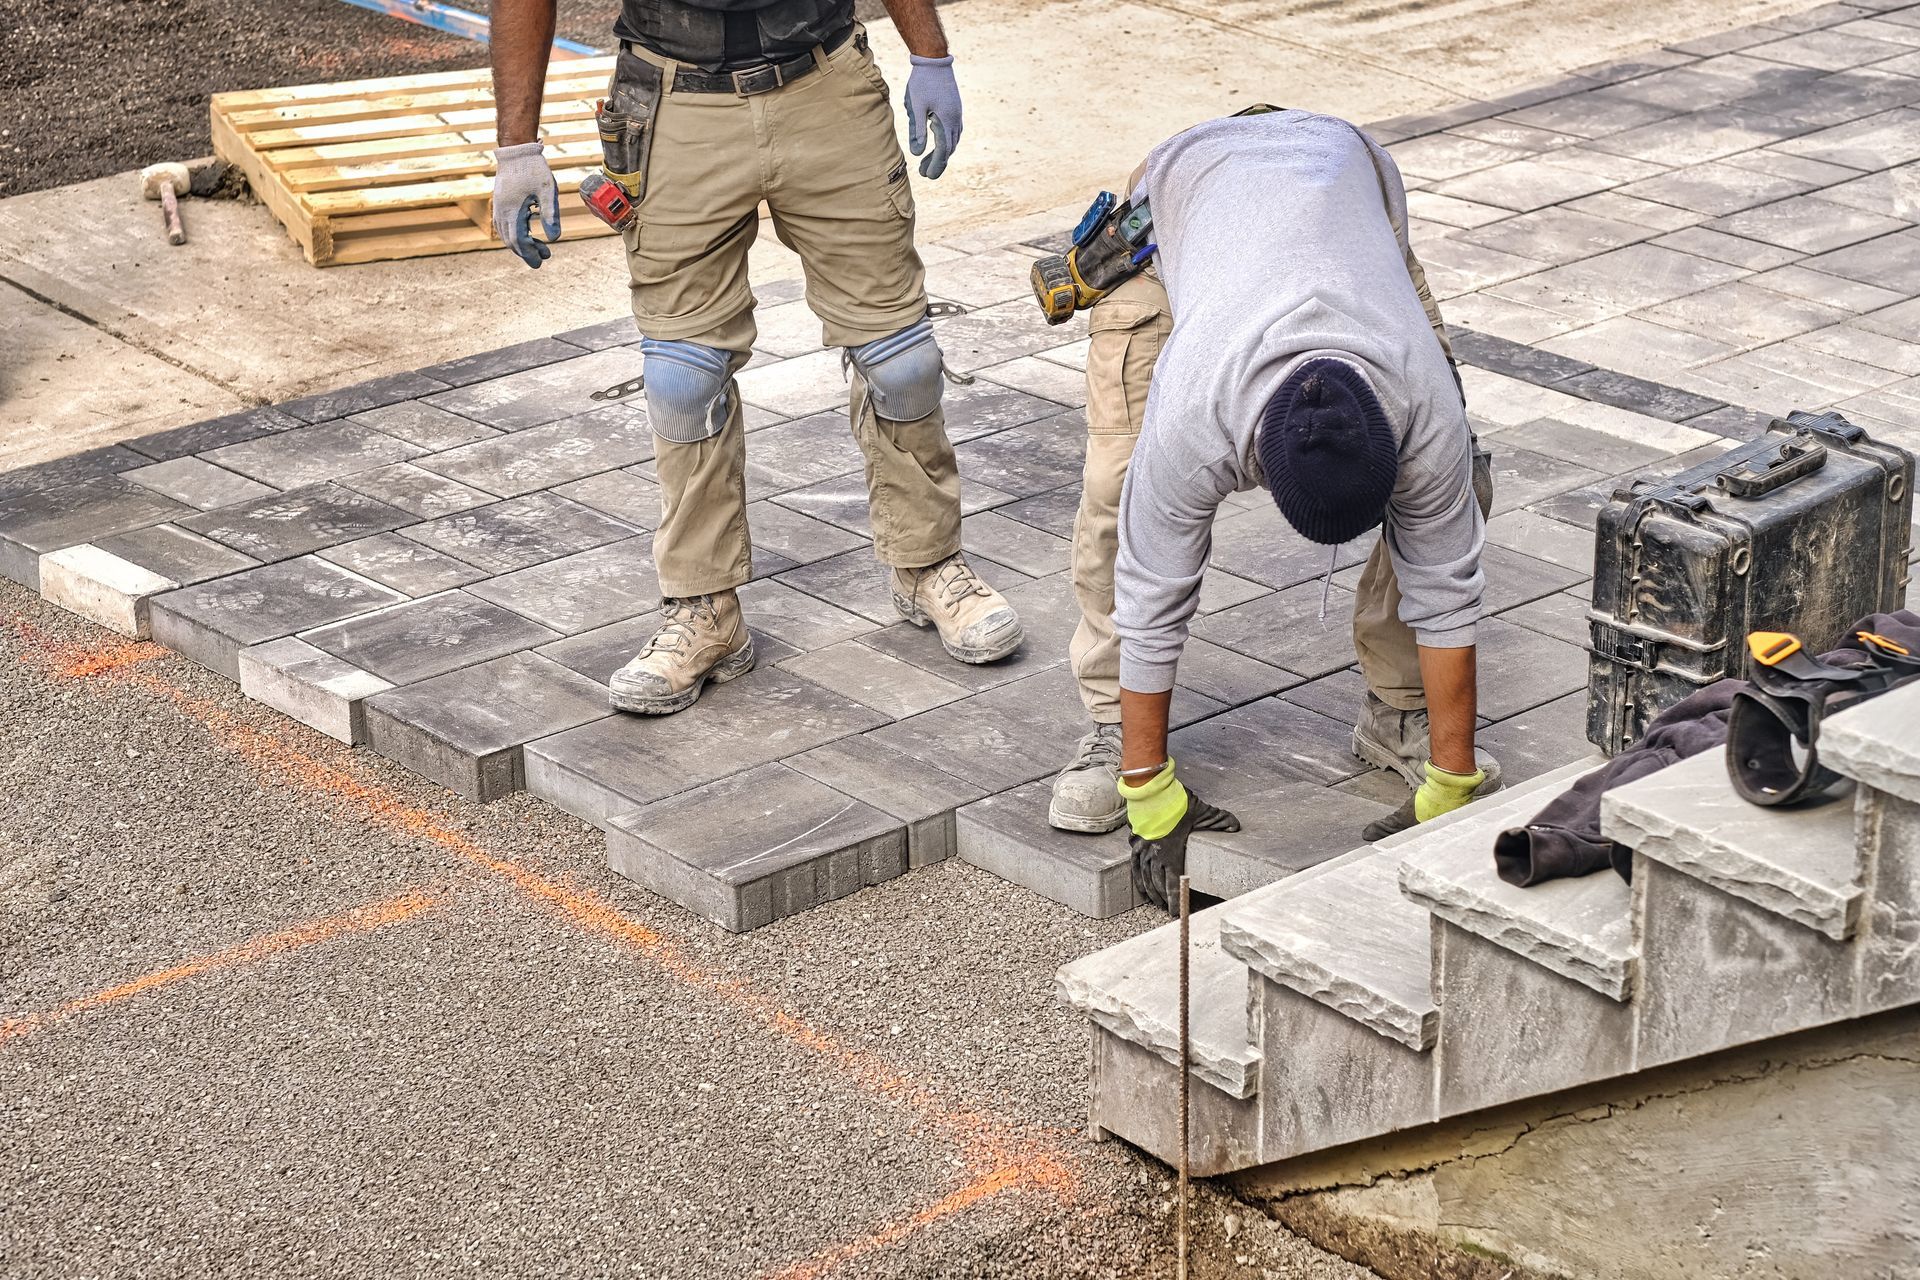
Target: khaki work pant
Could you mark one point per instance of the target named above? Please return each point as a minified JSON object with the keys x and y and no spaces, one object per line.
{"x":1126,"y":330}
{"x":821,"y":153}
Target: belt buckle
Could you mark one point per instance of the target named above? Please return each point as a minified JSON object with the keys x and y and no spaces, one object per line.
{"x":764,"y":78}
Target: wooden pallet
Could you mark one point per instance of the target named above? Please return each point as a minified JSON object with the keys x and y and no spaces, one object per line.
{"x":401,"y":167}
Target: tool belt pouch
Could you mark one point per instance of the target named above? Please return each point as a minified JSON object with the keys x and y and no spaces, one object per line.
{"x":626,"y":122}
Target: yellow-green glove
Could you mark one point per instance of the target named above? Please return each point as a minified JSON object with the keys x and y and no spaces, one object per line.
{"x":1162,"y":815}
{"x":1444,"y":792}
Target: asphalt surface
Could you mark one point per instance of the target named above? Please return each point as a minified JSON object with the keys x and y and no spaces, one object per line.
{"x":271,"y":1006}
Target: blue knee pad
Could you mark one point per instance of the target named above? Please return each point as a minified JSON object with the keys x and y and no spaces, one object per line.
{"x":902,"y":372}
{"x":688,"y":386}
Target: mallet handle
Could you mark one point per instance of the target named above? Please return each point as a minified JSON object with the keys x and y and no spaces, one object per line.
{"x":170,"y":207}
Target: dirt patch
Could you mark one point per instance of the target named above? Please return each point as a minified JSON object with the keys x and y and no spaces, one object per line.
{"x":94,"y":87}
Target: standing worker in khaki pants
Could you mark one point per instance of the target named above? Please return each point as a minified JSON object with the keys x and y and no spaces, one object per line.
{"x":1128,"y":327}
{"x":716,"y":106}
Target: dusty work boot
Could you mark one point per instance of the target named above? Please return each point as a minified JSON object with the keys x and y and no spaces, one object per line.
{"x":1085,"y":797}
{"x":701,"y":639}
{"x":1387,"y":738}
{"x":976,"y":623}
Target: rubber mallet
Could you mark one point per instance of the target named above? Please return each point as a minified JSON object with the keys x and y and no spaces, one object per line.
{"x":167,"y":183}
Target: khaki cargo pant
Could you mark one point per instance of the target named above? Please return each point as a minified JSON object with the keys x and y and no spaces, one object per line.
{"x":1127,"y":329}
{"x":822,"y":154}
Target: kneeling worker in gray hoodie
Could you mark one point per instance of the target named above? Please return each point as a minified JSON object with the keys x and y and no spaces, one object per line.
{"x":1302,"y":358}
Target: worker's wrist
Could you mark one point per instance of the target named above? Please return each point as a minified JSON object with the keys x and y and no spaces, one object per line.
{"x":1452,"y":781}
{"x":1146,"y":788}
{"x":519,"y":149}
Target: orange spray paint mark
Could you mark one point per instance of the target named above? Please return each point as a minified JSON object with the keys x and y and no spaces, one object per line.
{"x":999,"y":1156}
{"x":358,"y":920}
{"x":1039,"y":1172}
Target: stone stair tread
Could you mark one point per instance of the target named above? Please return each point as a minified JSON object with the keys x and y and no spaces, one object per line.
{"x":1578,"y":928}
{"x":1133,"y":990}
{"x":1875,"y":744}
{"x":1346,"y":938}
{"x":1554,"y":781}
{"x":1802,"y":863}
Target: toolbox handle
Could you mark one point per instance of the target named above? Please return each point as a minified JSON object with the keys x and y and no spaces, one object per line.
{"x":1796,"y":458}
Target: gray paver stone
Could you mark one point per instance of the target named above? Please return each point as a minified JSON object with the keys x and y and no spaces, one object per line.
{"x":196,"y":482}
{"x":317,"y":689}
{"x":520,"y":532}
{"x":429,"y":636}
{"x":757,"y":847}
{"x":43,"y":520}
{"x":584,"y":591}
{"x":310,"y":455}
{"x":297,"y":522}
{"x":1008,"y":835}
{"x":616,"y":765}
{"x":213,"y":621}
{"x":402,"y":564}
{"x":923,"y":797}
{"x":465,"y":729}
{"x":175,"y":553}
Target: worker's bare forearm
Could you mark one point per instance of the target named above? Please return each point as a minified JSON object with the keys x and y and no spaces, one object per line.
{"x":1452,"y":704}
{"x":521,"y":39}
{"x":1143,"y":728}
{"x":919,"y":25}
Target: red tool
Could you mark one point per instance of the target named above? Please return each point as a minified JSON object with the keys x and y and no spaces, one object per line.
{"x":607,"y":201}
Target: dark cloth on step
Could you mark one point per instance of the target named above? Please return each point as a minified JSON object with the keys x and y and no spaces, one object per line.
{"x":1564,"y":838}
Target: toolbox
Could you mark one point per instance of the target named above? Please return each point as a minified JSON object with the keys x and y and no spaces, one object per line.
{"x":1804,"y":530}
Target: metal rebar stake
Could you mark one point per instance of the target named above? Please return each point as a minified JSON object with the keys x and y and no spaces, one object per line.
{"x":1186,"y":1065}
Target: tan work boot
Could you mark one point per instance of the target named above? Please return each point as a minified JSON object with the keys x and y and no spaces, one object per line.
{"x":1084,"y":795}
{"x":701,"y":639}
{"x":976,"y":623}
{"x":1388,"y":738}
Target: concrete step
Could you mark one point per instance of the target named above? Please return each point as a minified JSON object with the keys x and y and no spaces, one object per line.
{"x":1801,"y":863}
{"x":1576,"y":928}
{"x":1346,"y":938}
{"x":1877,"y":743}
{"x":1877,"y":746}
{"x":1131,"y":993}
{"x":1133,"y":990}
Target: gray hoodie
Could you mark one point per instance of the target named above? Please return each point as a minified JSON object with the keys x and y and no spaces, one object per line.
{"x":1282,"y":237}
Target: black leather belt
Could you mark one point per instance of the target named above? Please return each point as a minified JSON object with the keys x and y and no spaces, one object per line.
{"x":745,"y":82}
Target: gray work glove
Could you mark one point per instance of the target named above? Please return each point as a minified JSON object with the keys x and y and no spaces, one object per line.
{"x":522,"y":180}
{"x":933,"y":96}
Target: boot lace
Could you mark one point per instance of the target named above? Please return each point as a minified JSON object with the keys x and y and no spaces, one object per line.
{"x":954,"y":580}
{"x":1099,"y":749}
{"x":681,"y":622}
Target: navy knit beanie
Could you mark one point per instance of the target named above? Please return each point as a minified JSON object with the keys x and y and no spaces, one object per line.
{"x":1328,"y":451}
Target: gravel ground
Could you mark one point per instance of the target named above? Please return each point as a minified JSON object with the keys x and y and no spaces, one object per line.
{"x":95,"y":87}
{"x":544,"y":1071}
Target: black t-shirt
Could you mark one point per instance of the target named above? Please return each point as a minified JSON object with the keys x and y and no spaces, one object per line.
{"x":728,"y":34}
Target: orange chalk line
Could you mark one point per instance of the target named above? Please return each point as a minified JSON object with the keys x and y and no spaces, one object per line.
{"x":358,"y":920}
{"x":1034,"y":1172}
{"x":1010,"y":1158}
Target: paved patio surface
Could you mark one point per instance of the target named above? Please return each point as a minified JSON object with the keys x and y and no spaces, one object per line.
{"x":1644,"y":263}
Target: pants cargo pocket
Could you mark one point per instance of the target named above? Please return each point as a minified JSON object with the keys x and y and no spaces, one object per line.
{"x":1124,"y":341}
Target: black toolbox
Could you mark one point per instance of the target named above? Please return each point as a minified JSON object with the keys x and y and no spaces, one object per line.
{"x":1804,"y":530}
